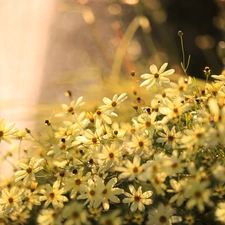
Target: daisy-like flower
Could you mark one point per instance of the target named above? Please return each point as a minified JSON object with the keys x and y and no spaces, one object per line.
{"x":6,"y":131}
{"x":93,"y":192}
{"x":49,"y":217}
{"x":70,"y":109}
{"x":77,"y":182}
{"x":170,"y":137}
{"x":111,"y":155}
{"x":89,"y":138}
{"x":10,"y":199}
{"x":53,"y":195}
{"x":146,"y":122}
{"x":131,"y":170}
{"x":198,"y":194}
{"x":178,"y":189}
{"x":220,"y":212}
{"x":162,"y":215}
{"x":109,"y":193}
{"x":101,"y":117}
{"x":137,"y":199}
{"x":156,"y":77}
{"x":74,"y":213}
{"x":140,"y":143}
{"x":111,"y":218}
{"x":111,"y":105}
{"x":27,"y":174}
{"x":174,"y":108}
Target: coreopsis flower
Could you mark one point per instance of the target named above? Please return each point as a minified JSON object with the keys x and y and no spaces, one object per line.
{"x":198,"y":194}
{"x":75,"y":213}
{"x":30,"y":198}
{"x":156,"y":77}
{"x":131,"y":170}
{"x":3,"y":218}
{"x":20,"y":216}
{"x":111,"y":105}
{"x":173,"y":164}
{"x":27,"y":174}
{"x":111,"y":218}
{"x":157,"y":181}
{"x":111,"y":155}
{"x":6,"y":131}
{"x":90,"y":138}
{"x":10,"y":199}
{"x":49,"y":217}
{"x":219,"y":191}
{"x":137,"y":199}
{"x":140,"y":143}
{"x":181,"y":88}
{"x":93,"y":192}
{"x":53,"y":195}
{"x":197,"y":136}
{"x":170,"y":137}
{"x":68,"y":131}
{"x":103,"y":117}
{"x":76,"y":182}
{"x":62,"y":148}
{"x":218,"y":172}
{"x":174,"y":108}
{"x":162,"y":215}
{"x":215,"y":89}
{"x":109,"y":193}
{"x":177,"y":188}
{"x":74,"y":105}
{"x":145,"y":122}
{"x":220,"y":212}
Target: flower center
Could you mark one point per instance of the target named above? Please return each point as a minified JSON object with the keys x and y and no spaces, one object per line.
{"x":29,"y":170}
{"x":92,"y":192}
{"x":137,"y":198}
{"x":141,"y":143}
{"x":70,"y":109}
{"x":1,"y":133}
{"x":170,"y":138}
{"x":51,"y":195}
{"x":77,"y":181}
{"x":10,"y":200}
{"x":113,"y":104}
{"x":111,"y":155}
{"x":94,"y":140}
{"x":162,"y":219}
{"x":156,"y":75}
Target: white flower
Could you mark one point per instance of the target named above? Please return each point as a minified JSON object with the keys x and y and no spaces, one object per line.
{"x":161,"y":215}
{"x":111,"y":105}
{"x":220,"y":212}
{"x":27,"y":174}
{"x":156,"y":77}
{"x":5,"y":132}
{"x":137,"y":199}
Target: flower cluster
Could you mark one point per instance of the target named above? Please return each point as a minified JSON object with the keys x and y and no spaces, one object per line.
{"x":160,"y":162}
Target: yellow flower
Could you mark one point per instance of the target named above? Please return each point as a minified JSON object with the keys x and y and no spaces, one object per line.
{"x":27,"y":174}
{"x":10,"y":199}
{"x":5,"y":132}
{"x":137,"y":199}
{"x":156,"y":77}
{"x":53,"y":195}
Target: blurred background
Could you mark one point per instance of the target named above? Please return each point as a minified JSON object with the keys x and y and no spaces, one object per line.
{"x":49,"y":47}
{"x":88,"y":46}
